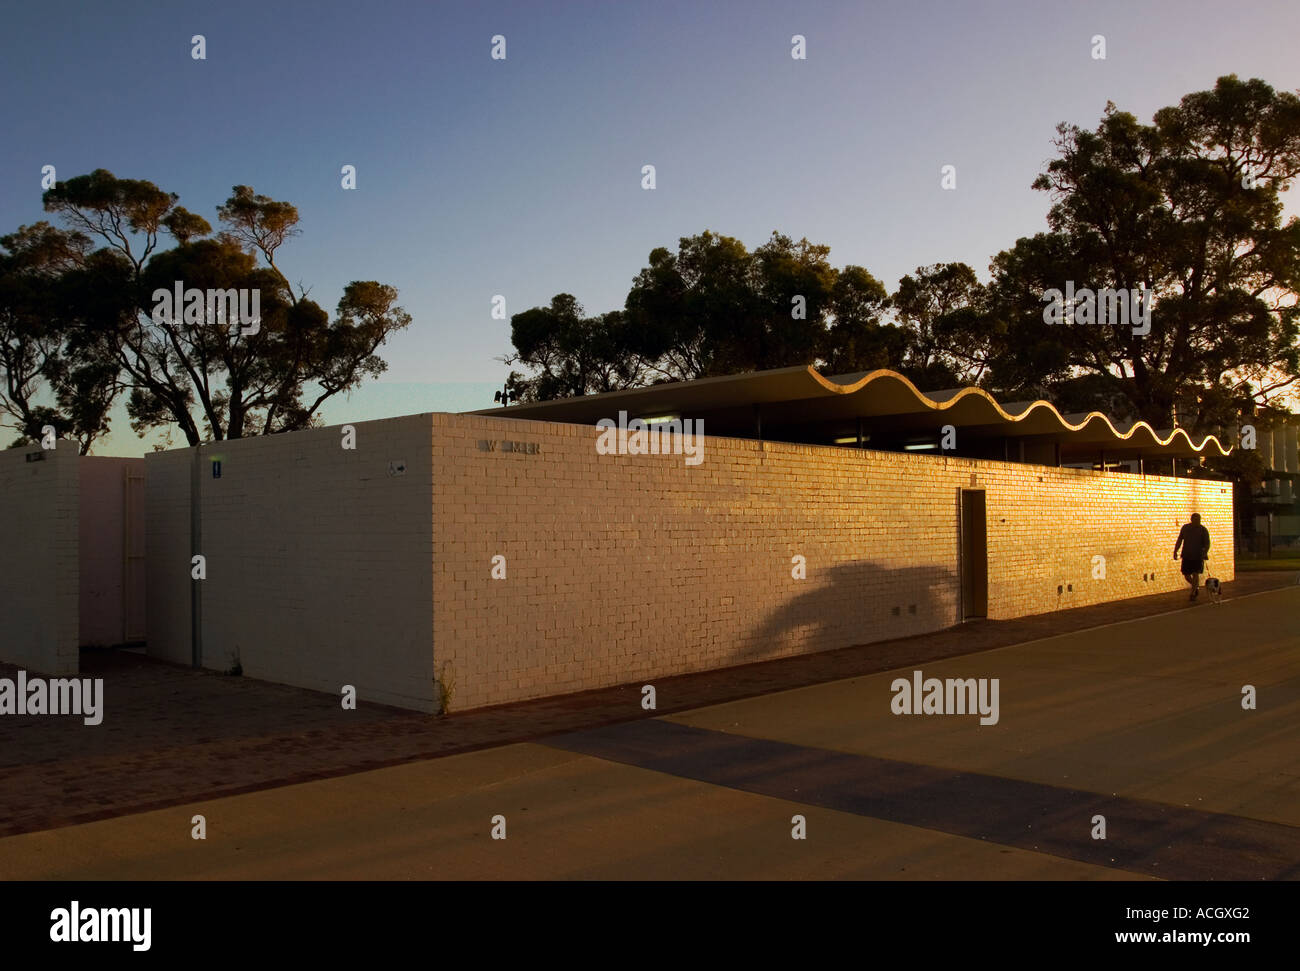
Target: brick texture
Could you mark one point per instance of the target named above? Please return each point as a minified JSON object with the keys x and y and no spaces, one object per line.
{"x":622,"y":568}
{"x":39,"y":569}
{"x":324,"y":569}
{"x":319,"y":562}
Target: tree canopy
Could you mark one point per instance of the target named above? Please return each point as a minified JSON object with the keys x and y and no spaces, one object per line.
{"x":1187,"y":207}
{"x":1185,"y":211}
{"x":81,"y":324}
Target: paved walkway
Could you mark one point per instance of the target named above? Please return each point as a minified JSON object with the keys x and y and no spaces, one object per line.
{"x":173,"y":736}
{"x":1140,"y":722}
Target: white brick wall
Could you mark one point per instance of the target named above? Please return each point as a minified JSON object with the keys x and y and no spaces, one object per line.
{"x":623,"y":568}
{"x":325,"y":570}
{"x":39,"y":571}
{"x":318,"y":561}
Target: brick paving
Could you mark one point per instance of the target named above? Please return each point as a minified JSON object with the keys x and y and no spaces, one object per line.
{"x":171,"y":735}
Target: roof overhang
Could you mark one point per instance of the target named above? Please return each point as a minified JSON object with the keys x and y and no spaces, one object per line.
{"x":800,"y":404}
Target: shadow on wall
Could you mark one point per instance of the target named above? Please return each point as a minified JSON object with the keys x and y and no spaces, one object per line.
{"x":855,"y":603}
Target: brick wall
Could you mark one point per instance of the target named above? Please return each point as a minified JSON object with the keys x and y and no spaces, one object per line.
{"x":622,"y":568}
{"x":324,"y":569}
{"x":318,"y":560}
{"x":39,"y":569}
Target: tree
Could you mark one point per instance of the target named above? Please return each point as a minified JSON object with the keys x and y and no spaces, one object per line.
{"x":210,"y":375}
{"x":36,"y":361}
{"x":860,"y":338}
{"x":711,"y":308}
{"x":715,"y":308}
{"x":793,"y":286}
{"x":689,"y":308}
{"x":952,"y":339}
{"x":1187,"y":208}
{"x":573,"y":354}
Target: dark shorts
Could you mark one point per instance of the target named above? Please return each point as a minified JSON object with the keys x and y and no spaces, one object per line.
{"x":1191,"y":566}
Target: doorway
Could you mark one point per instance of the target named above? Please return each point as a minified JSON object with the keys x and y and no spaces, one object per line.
{"x":974,"y":555}
{"x":133,"y":565}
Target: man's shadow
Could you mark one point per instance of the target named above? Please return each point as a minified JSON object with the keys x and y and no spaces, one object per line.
{"x":854,"y":603}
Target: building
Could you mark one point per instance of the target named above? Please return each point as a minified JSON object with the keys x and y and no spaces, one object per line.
{"x":1274,"y":520}
{"x":463,"y":560}
{"x":72,"y":566}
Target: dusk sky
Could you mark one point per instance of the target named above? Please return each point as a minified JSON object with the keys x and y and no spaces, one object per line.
{"x":522,"y":177}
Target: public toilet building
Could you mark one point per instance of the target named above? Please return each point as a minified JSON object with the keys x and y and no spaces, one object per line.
{"x":491,"y":557}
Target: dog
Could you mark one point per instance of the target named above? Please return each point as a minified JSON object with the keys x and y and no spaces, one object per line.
{"x":1213,"y":589}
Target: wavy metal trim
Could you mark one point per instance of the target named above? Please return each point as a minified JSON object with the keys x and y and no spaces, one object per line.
{"x":925,"y":400}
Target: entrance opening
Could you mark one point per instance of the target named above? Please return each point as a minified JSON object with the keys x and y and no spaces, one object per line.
{"x":974,"y":556}
{"x":133,"y":566}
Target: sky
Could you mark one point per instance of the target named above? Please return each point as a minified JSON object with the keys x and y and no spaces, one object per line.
{"x":523,"y":177}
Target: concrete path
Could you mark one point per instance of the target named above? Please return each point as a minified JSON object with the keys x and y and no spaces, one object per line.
{"x":173,"y":736}
{"x":1140,"y":722}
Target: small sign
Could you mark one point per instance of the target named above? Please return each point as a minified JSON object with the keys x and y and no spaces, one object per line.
{"x":216,"y":468}
{"x":500,"y":445}
{"x":35,"y":456}
{"x":397,"y":467}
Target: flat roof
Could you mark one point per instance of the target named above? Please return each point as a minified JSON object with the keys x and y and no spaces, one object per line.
{"x":799,"y":404}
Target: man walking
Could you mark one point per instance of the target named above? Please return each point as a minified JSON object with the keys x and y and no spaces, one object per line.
{"x":1194,"y":539}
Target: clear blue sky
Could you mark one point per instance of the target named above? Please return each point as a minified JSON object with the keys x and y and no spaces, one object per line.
{"x":523,"y":177}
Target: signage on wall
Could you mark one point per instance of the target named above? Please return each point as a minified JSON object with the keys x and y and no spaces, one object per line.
{"x":499,"y":445}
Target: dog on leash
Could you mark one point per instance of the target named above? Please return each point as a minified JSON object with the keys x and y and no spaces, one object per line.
{"x":1213,"y":589}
